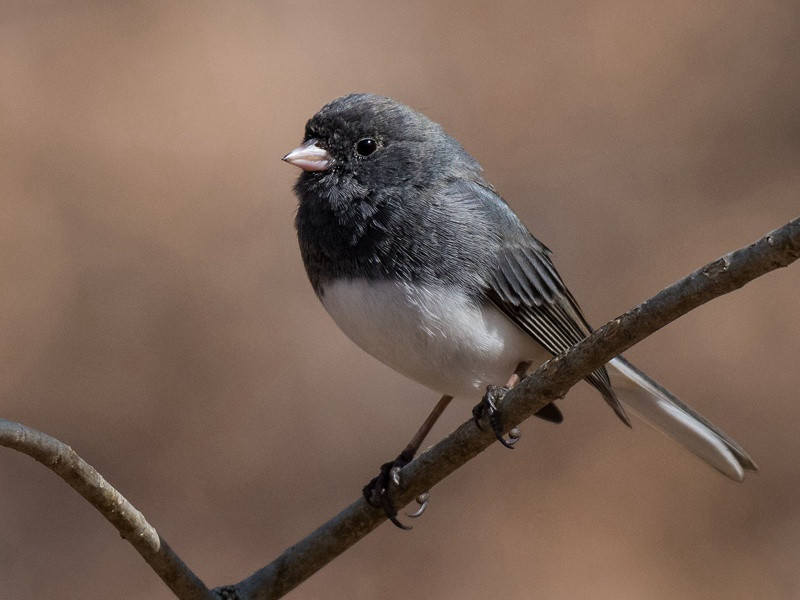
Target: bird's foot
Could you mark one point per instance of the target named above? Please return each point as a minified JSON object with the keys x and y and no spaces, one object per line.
{"x":381,"y":491}
{"x":488,"y":407}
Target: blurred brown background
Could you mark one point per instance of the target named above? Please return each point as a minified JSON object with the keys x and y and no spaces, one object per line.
{"x":156,"y":316}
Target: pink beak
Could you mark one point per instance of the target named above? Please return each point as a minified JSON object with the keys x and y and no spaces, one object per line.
{"x":310,"y":157}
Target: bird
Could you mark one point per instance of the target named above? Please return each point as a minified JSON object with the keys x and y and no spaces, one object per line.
{"x":422,"y":264}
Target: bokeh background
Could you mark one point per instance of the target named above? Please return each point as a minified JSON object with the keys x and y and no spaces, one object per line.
{"x":156,"y":316}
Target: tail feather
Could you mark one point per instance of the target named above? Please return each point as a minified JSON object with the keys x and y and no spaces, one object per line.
{"x":664,"y":411}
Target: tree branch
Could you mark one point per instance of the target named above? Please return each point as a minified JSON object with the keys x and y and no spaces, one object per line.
{"x":550,"y":382}
{"x":131,"y":524}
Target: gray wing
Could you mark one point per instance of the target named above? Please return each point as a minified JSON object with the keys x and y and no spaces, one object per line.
{"x":524,"y":284}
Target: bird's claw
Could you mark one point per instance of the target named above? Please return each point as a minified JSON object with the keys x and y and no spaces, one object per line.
{"x":488,"y":407}
{"x":380,"y":492}
{"x":422,"y":500}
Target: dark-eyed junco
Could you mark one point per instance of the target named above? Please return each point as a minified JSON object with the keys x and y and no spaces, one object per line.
{"x":424,"y":266}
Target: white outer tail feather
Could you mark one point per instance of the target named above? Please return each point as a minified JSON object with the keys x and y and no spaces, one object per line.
{"x":664,"y":411}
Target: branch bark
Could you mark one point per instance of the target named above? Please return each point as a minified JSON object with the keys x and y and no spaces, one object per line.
{"x":550,"y":382}
{"x":131,"y":524}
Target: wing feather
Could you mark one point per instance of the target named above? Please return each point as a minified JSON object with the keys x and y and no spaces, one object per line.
{"x":525,"y":285}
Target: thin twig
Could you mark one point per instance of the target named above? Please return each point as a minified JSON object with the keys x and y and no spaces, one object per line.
{"x":131,"y":524}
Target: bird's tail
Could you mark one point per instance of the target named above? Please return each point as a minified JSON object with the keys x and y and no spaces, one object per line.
{"x":664,"y":411}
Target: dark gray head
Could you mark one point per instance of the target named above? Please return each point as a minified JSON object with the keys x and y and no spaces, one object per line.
{"x":361,"y":143}
{"x":372,"y":192}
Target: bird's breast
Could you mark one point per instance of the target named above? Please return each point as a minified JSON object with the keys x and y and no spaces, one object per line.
{"x":434,"y":334}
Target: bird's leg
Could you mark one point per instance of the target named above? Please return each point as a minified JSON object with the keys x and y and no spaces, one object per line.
{"x":488,"y":406}
{"x":379,"y":491}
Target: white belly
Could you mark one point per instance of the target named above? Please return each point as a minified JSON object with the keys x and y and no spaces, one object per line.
{"x":431,"y":334}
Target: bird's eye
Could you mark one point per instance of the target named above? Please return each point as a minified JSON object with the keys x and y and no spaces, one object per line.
{"x":366,"y":146}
